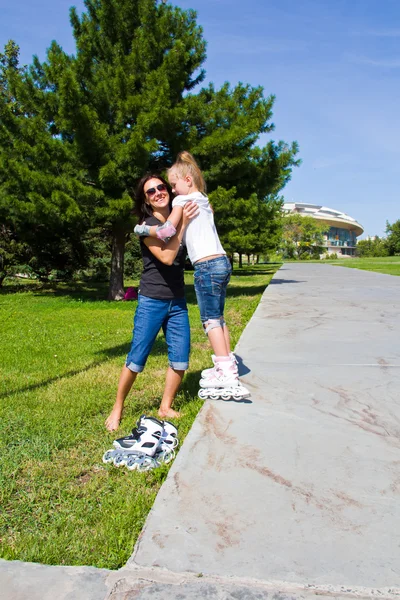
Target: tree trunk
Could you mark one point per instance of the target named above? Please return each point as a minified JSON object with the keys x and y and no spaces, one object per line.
{"x":116,"y":288}
{"x":240,"y":261}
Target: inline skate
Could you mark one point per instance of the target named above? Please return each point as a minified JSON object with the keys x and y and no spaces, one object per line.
{"x":151,"y":443}
{"x":222,"y":382}
{"x":210,"y":371}
{"x":138,"y":448}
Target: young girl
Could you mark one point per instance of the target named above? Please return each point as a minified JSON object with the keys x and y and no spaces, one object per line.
{"x":212,"y":269}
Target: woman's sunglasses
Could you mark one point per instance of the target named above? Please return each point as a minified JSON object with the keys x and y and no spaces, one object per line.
{"x":161,"y":187}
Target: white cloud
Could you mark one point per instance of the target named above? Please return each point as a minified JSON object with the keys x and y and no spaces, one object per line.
{"x":387,"y":33}
{"x":388,"y":63}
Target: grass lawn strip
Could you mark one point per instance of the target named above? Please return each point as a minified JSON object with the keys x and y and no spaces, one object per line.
{"x":61,"y":355}
{"x":389,"y":265}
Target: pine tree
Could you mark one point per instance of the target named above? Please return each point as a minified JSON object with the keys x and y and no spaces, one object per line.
{"x":126,"y":103}
{"x":41,"y":189}
{"x":113,"y":102}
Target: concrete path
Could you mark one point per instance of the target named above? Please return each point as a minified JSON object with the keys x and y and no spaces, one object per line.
{"x":296,"y":493}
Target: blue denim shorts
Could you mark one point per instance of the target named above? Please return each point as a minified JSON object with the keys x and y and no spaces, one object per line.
{"x":151,"y":315}
{"x":211,"y":278}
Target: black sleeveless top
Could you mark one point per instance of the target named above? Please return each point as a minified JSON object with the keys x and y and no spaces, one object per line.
{"x":160,"y":281}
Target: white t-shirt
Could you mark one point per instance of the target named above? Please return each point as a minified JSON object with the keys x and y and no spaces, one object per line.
{"x":201,"y":237}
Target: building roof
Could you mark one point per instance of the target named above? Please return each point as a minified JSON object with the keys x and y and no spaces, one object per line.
{"x":335,"y":218}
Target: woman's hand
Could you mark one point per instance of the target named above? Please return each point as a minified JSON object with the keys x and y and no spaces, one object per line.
{"x":190,"y":211}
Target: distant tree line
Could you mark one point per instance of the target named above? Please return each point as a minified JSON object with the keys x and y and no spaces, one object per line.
{"x":376,"y":246}
{"x":78,"y":131}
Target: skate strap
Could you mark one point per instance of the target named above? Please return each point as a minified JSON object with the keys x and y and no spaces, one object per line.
{"x":136,"y":433}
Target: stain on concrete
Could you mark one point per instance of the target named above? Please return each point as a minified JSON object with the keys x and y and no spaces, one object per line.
{"x":159,"y":540}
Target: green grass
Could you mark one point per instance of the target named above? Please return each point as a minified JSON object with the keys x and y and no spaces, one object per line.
{"x":389,"y":265}
{"x":61,"y":354}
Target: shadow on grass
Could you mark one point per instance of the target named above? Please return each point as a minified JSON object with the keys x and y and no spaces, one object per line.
{"x":41,"y":384}
{"x":160,"y":348}
{"x":249,"y":272}
{"x":81,"y":291}
{"x":97,"y":291}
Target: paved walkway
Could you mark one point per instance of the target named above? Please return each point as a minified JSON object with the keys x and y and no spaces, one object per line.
{"x":294,"y":494}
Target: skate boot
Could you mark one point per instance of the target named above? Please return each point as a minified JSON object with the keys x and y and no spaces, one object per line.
{"x":136,"y":451}
{"x":168,"y":442}
{"x":109,"y":456}
{"x":207,"y":372}
{"x":224,"y":384}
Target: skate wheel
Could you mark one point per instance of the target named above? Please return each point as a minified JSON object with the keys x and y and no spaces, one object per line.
{"x":147,"y":464}
{"x":202,"y":394}
{"x":226,"y":395}
{"x":167,"y":456}
{"x":108,"y":456}
{"x":240,"y":393}
{"x":215,"y":396}
{"x":131,"y":464}
{"x":119,"y":460}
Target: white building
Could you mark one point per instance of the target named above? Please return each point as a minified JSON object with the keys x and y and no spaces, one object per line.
{"x":341,"y":238}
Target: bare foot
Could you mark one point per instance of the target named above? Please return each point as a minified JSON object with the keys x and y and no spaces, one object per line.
{"x":168,"y":412}
{"x":113,"y":420}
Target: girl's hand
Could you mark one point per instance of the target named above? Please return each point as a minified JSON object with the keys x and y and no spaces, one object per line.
{"x":190,"y":211}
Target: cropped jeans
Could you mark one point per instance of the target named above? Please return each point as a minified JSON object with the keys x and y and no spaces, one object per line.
{"x":151,"y":315}
{"x":211,"y":278}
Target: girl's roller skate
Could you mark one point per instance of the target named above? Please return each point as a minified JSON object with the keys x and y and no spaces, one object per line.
{"x":223,"y":383}
{"x":207,"y":372}
{"x":136,"y":451}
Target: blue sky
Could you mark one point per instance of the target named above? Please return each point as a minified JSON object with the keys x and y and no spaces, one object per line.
{"x":334,"y":66}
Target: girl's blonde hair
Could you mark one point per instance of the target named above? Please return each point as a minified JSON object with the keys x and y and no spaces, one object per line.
{"x":185,"y":164}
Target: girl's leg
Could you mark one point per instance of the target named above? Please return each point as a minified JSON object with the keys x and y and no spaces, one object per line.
{"x":172,"y":382}
{"x":210,"y":281}
{"x":227,"y":337}
{"x":217,"y":340}
{"x":126,"y":380}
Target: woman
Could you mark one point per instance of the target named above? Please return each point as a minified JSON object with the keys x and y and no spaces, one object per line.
{"x":161,"y":302}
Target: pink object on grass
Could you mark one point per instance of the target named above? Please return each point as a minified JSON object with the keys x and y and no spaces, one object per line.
{"x":131,"y":294}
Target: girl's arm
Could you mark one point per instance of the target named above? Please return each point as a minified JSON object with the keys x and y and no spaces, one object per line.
{"x":165,"y":231}
{"x":166,"y":253}
{"x":176,"y":215}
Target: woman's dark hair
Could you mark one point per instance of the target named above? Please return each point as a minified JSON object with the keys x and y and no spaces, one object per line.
{"x":141,"y":207}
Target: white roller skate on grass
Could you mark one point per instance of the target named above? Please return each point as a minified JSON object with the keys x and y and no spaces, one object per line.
{"x":222,"y":382}
{"x":151,"y":443}
{"x":168,"y":442}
